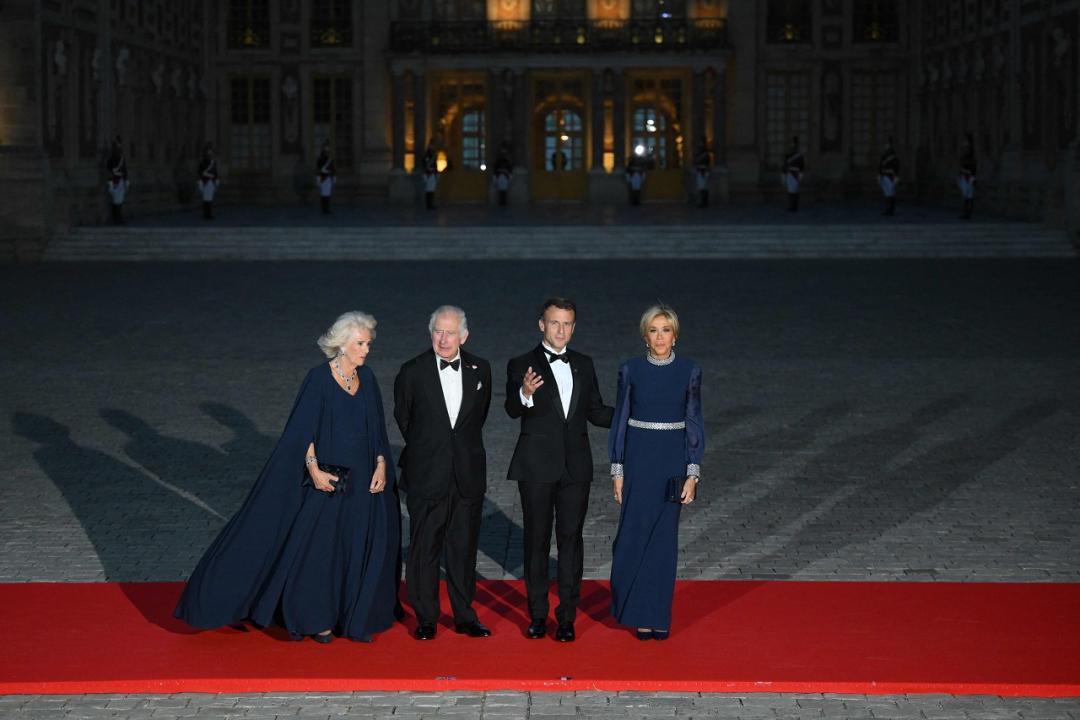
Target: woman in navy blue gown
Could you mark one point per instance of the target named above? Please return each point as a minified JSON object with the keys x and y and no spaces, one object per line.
{"x":657,"y":441}
{"x":302,"y":552}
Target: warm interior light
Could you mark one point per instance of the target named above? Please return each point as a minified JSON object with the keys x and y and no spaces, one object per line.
{"x":441,"y":161}
{"x":410,"y":162}
{"x":639,"y":150}
{"x":483,"y":166}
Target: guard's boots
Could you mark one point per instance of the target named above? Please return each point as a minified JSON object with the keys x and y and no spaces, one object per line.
{"x":208,"y":210}
{"x":793,"y":202}
{"x":890,"y":206}
{"x":703,"y":198}
{"x":118,"y":214}
{"x":969,"y":207}
{"x":429,"y":200}
{"x":324,"y":202}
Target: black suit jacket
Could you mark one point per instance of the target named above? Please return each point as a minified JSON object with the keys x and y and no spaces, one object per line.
{"x":436,"y":454}
{"x":553,"y":445}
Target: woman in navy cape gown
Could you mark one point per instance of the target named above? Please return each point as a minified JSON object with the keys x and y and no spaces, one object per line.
{"x":314,"y":558}
{"x":657,"y":442}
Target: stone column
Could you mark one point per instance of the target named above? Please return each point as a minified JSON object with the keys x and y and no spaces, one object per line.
{"x":719,"y":119}
{"x":597,"y":121}
{"x":697,"y":110}
{"x":419,"y":120}
{"x":398,"y":150}
{"x":619,"y":118}
{"x":520,"y":130}
{"x":496,"y":112}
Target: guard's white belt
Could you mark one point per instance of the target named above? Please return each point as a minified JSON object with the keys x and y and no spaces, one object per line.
{"x":681,"y":425}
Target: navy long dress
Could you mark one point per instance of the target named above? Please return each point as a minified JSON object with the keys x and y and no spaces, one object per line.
{"x":646,"y":548}
{"x":298,"y":557}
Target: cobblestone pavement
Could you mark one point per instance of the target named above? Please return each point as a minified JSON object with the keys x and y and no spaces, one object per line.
{"x":536,"y":706}
{"x":905,"y":420}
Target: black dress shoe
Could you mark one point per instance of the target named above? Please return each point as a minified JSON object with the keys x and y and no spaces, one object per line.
{"x":660,"y":634}
{"x":537,"y":629}
{"x":565,"y":632}
{"x":472,"y":629}
{"x":424,"y":631}
{"x":644,"y":634}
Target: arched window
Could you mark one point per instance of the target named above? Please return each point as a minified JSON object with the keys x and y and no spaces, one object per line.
{"x":564,"y":141}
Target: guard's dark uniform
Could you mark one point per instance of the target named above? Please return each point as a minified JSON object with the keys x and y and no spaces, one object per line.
{"x":503,"y":174}
{"x":117,"y":185}
{"x":431,"y":177}
{"x":702,"y":166}
{"x":794,"y":166}
{"x":889,"y":177}
{"x":325,"y":177}
{"x":208,"y":181}
{"x":966,"y":178}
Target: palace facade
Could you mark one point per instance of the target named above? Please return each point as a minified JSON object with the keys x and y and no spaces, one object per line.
{"x":568,"y":91}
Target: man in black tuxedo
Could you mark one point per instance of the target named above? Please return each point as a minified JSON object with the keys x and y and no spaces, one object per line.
{"x":554,"y":391}
{"x":441,"y":400}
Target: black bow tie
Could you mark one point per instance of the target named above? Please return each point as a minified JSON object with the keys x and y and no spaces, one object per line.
{"x":452,"y":364}
{"x":553,"y":357}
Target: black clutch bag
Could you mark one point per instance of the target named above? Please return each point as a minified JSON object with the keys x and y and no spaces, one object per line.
{"x":674,"y":488}
{"x":339,"y":471}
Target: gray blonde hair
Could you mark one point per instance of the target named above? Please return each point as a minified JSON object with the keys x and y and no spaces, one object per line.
{"x":656,"y":311}
{"x":463,"y":326}
{"x":335,"y":338}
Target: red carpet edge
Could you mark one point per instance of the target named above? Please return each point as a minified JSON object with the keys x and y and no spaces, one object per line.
{"x":882,"y":638}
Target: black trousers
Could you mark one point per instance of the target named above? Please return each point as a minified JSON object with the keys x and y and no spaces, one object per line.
{"x":447,"y":527}
{"x":565,"y":503}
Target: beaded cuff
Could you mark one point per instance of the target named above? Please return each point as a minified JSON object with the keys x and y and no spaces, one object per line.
{"x":616,"y":470}
{"x":693,"y":470}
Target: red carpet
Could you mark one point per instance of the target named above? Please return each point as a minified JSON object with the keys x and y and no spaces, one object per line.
{"x":837,"y":637}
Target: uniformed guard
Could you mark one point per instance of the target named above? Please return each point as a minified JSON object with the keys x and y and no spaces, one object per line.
{"x":966,"y":179}
{"x":635,"y":177}
{"x":504,"y":173}
{"x":325,"y":177}
{"x":889,"y":177}
{"x":208,"y":180}
{"x":117,"y":185}
{"x":431,"y":177}
{"x":794,"y":166}
{"x":702,"y":170}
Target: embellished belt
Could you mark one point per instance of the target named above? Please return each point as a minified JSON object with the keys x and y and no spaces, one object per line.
{"x":681,"y":425}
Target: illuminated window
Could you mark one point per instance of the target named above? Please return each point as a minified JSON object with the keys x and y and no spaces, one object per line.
{"x":564,"y":141}
{"x":331,"y":23}
{"x":333,"y":117}
{"x":789,"y":22}
{"x":656,"y":130}
{"x":249,"y":24}
{"x":250,"y":144}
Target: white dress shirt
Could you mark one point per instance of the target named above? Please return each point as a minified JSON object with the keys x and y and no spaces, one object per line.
{"x":450,"y":379}
{"x":564,"y":380}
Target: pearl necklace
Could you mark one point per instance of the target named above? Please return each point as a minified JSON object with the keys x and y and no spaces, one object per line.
{"x":346,"y":380}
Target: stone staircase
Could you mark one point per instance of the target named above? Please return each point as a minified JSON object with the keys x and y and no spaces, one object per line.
{"x":717,"y":241}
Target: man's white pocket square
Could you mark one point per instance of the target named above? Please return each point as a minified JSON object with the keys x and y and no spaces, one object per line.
{"x":479,"y":385}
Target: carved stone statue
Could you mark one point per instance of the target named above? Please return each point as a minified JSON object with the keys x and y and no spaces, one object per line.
{"x":290,"y":107}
